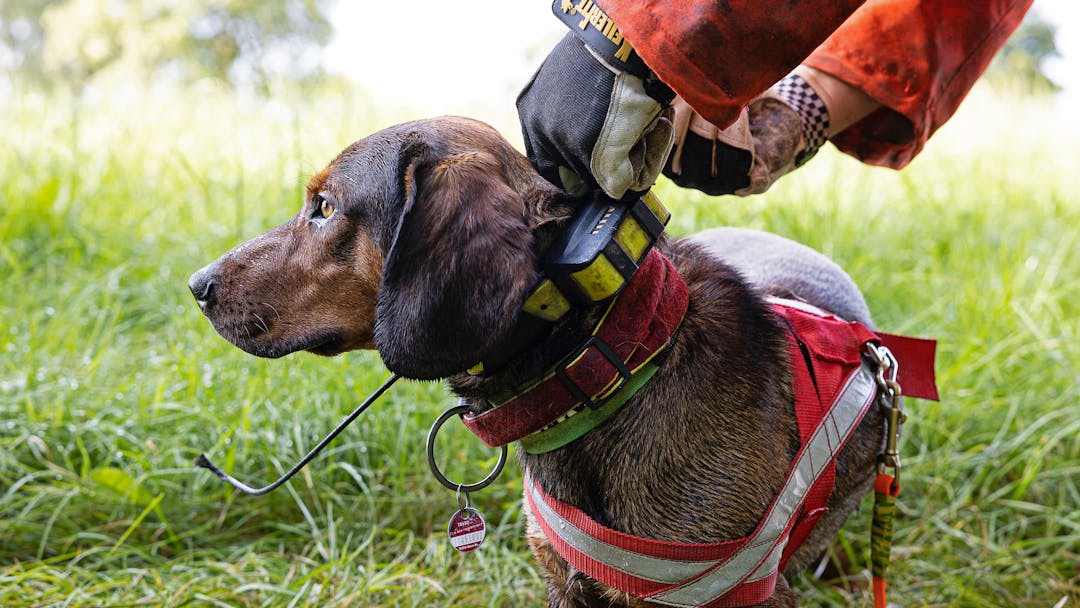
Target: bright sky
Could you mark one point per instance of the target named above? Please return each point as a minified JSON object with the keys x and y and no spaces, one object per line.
{"x":437,"y":57}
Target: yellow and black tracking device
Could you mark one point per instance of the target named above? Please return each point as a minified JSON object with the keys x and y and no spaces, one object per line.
{"x":597,"y":254}
{"x":591,"y":261}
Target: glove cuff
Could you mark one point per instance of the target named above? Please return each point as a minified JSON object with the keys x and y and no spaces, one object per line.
{"x":797,"y":93}
{"x":593,"y":26}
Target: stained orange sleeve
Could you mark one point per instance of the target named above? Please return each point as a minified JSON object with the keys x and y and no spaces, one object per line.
{"x":719,"y":54}
{"x":918,"y":58}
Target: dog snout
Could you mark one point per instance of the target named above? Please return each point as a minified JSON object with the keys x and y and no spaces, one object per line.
{"x":203,"y":285}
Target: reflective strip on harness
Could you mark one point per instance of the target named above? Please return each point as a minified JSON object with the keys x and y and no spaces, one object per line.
{"x":829,"y":437}
{"x":647,"y":567}
{"x":738,"y":572}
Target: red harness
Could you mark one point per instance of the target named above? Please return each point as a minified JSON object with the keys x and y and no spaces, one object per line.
{"x":833,"y":390}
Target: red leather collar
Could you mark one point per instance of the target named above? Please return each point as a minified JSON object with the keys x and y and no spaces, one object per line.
{"x":640,"y":321}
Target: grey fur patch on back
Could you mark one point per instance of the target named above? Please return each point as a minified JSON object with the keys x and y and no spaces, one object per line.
{"x":778,"y":266}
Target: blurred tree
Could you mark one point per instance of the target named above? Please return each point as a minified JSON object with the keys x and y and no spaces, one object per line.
{"x":21,"y":38}
{"x":244,"y":42}
{"x":1019,"y":65}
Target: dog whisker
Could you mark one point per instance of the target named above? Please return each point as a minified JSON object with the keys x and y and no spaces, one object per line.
{"x":261,"y":323}
{"x":277,"y":315}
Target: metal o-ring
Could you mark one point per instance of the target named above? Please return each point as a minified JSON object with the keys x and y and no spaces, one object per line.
{"x":457,"y":410}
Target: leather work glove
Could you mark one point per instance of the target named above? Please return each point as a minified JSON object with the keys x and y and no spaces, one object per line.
{"x":589,"y":124}
{"x":777,"y":132}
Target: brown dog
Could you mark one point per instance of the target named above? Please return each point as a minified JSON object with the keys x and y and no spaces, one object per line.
{"x":422,"y":240}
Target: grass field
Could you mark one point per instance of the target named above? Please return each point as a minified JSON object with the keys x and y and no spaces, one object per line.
{"x":111,"y":382}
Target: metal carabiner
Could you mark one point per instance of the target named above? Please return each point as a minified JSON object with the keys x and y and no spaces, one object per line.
{"x":889,"y":393}
{"x":886,"y":363}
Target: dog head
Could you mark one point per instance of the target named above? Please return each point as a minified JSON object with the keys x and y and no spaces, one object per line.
{"x":417,"y":241}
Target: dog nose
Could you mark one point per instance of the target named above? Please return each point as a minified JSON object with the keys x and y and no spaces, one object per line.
{"x":203,"y":285}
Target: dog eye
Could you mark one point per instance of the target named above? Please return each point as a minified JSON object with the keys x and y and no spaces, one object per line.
{"x":326,"y":208}
{"x":322,"y":209}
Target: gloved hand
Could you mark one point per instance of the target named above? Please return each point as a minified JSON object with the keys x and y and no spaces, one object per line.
{"x":588,"y":124}
{"x":779,"y":131}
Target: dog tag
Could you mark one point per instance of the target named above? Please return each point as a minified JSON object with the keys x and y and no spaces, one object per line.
{"x":467,"y":529}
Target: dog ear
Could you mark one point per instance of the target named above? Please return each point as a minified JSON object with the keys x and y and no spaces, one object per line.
{"x":458,"y":267}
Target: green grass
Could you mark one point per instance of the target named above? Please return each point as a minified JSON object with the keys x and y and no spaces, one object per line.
{"x":111,"y":382}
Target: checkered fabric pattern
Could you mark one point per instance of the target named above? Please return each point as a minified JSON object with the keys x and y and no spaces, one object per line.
{"x":802,"y":97}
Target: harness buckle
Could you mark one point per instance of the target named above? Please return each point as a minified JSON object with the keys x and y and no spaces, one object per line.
{"x":609,"y":355}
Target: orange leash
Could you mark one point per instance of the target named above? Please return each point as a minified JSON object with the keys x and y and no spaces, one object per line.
{"x":886,"y":489}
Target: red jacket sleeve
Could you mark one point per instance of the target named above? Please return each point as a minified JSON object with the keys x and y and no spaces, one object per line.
{"x":718,"y":55}
{"x":918,"y":59}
